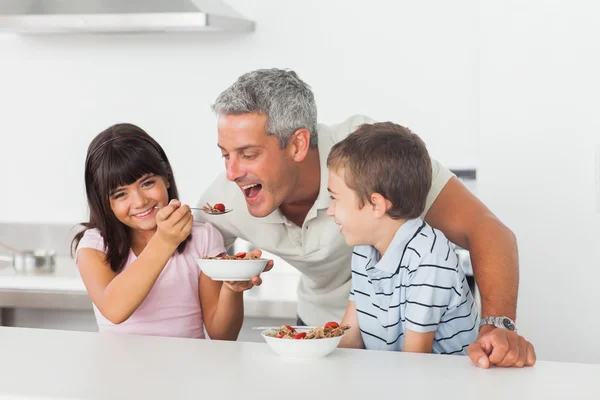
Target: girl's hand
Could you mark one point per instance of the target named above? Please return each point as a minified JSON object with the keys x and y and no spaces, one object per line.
{"x":240,"y":286}
{"x":174,"y":222}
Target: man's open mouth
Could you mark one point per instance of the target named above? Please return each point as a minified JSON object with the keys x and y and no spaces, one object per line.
{"x":252,"y":190}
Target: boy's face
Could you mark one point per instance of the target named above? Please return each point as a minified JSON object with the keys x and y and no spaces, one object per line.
{"x":355,"y":223}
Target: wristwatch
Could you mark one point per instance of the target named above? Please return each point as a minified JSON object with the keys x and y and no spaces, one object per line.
{"x":499,"y":322}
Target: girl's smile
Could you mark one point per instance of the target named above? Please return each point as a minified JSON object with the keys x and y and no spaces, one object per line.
{"x":134,"y":204}
{"x":146,"y":214}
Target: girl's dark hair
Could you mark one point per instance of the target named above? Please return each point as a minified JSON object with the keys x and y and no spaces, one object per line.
{"x":119,"y":156}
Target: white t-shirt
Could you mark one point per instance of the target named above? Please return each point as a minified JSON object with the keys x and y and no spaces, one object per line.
{"x":316,"y":249}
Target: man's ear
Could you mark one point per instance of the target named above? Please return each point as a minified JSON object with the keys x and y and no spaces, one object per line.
{"x":299,"y":144}
{"x":379,"y":205}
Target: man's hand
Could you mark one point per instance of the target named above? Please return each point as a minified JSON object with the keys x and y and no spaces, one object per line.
{"x":240,"y":286}
{"x":497,"y":346}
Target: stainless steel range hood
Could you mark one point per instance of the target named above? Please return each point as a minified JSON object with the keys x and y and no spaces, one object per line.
{"x":119,"y":16}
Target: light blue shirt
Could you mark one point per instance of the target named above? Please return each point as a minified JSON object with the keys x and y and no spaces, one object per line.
{"x":417,"y":284}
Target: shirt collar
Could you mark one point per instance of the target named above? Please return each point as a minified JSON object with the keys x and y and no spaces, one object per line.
{"x":393,"y":256}
{"x":323,"y":199}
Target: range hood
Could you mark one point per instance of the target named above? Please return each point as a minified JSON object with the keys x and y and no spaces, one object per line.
{"x":119,"y":16}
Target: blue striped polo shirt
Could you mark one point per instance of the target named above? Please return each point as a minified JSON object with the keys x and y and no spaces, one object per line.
{"x":417,"y":284}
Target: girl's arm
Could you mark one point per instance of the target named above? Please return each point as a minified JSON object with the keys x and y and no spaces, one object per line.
{"x":117,"y":296}
{"x":223,"y":303}
{"x":222,"y":309}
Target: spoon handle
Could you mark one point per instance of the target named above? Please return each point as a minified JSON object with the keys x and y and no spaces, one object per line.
{"x":9,"y":248}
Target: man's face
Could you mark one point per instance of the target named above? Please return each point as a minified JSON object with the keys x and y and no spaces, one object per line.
{"x":356,"y":224}
{"x":265,"y":173}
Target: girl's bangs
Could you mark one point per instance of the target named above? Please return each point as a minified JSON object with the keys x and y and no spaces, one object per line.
{"x":122,"y":166}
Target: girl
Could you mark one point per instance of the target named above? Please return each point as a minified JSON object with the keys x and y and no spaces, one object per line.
{"x":137,"y":261}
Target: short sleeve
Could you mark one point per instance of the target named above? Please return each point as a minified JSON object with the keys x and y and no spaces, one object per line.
{"x":358,"y":266}
{"x":352,"y":296}
{"x":208,"y":240}
{"x":440,"y":175}
{"x":345,"y":128}
{"x":92,"y":239}
{"x":431,"y":289}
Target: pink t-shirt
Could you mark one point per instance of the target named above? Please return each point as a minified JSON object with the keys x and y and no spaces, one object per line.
{"x":172,"y":308}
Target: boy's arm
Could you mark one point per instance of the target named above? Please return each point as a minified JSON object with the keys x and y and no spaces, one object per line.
{"x":416,"y":342}
{"x":432,"y":288}
{"x":352,"y":338}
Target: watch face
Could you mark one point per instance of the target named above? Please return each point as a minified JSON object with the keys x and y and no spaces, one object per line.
{"x":508,"y":324}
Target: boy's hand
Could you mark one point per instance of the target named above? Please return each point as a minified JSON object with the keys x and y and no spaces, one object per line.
{"x":240,"y":286}
{"x":174,"y":222}
{"x":497,"y":346}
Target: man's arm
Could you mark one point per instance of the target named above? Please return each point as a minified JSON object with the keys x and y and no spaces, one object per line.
{"x":467,"y":222}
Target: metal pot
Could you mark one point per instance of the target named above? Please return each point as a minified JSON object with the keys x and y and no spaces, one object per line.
{"x":32,"y":260}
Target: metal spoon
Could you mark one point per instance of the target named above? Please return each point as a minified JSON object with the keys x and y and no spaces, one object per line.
{"x":201,"y":209}
{"x":11,"y":249}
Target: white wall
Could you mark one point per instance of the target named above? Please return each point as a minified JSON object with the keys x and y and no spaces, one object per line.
{"x":524,"y":74}
{"x":539,"y":126}
{"x":412,"y":62}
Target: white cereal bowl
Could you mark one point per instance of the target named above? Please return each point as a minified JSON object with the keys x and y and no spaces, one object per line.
{"x":301,"y":349}
{"x":231,"y":270}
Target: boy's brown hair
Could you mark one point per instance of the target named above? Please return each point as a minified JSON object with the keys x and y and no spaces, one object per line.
{"x":388,"y":159}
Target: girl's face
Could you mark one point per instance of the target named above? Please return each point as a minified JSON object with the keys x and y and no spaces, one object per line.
{"x":134,"y":204}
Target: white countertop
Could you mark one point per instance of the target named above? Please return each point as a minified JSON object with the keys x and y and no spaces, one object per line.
{"x":275,"y":298}
{"x":62,"y":364}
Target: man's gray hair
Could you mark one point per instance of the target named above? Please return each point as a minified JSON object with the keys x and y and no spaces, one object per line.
{"x":285,"y":99}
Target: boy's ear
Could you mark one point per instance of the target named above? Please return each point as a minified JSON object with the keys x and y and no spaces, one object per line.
{"x":379,"y":205}
{"x":300,"y":144}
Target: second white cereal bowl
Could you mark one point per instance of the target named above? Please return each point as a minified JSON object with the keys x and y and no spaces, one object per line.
{"x":231,"y":270}
{"x":301,"y":349}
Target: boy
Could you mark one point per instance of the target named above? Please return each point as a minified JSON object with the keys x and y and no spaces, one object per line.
{"x":408,"y":291}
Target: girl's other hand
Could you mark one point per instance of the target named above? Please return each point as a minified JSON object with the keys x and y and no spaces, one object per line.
{"x":240,"y":286}
{"x":174,"y":222}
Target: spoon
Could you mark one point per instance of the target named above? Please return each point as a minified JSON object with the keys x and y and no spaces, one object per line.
{"x":202,"y":209}
{"x":11,"y":249}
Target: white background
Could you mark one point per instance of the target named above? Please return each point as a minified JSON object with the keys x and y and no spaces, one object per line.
{"x":402,"y":61}
{"x":539,"y":129}
{"x":509,"y":88}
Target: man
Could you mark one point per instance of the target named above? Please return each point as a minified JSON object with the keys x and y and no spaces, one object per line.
{"x":276,"y":181}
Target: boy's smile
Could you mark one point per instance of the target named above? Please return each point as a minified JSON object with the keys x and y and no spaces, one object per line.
{"x":355,"y":223}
